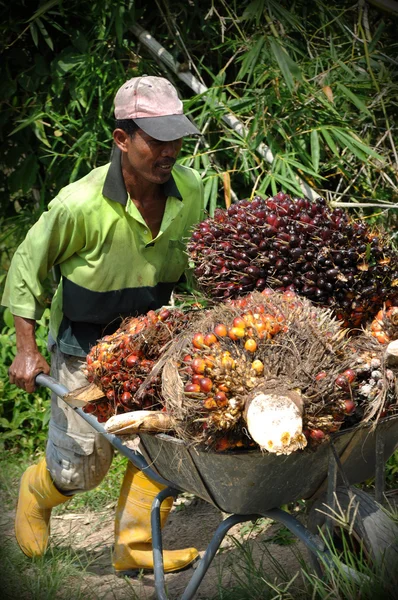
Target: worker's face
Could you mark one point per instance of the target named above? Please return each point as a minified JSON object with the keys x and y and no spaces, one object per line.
{"x":147,"y":158}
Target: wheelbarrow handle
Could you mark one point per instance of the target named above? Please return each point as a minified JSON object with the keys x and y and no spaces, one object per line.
{"x":135,"y":457}
{"x":52,"y":384}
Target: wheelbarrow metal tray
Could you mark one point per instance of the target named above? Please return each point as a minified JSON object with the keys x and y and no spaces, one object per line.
{"x":249,"y":482}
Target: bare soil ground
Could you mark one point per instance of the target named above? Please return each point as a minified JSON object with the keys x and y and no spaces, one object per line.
{"x":192,"y":522}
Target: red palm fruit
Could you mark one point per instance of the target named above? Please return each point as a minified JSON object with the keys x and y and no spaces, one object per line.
{"x":89,"y":407}
{"x":267,"y":292}
{"x":187,"y":358}
{"x":210,"y":339}
{"x":192,"y":388}
{"x":210,"y":361}
{"x":221,"y":399}
{"x":289,"y":295}
{"x":342,"y":382}
{"x":126,"y":386}
{"x":248,"y":318}
{"x":220,"y":330}
{"x":350,"y":375}
{"x":198,"y":341}
{"x":131,"y":360}
{"x":210,"y":404}
{"x":105,"y":381}
{"x":321,"y":375}
{"x":239,"y":322}
{"x":317,"y":434}
{"x":382,"y":337}
{"x":126,"y":397}
{"x":196,"y":377}
{"x":376,"y":326}
{"x":198,"y":365}
{"x":110,"y":394}
{"x":89,"y":359}
{"x":164,"y":314}
{"x":205,"y":384}
{"x":222,"y":387}
{"x":151,"y":316}
{"x":146,"y":364}
{"x":241,"y":302}
{"x":349,"y":407}
{"x":271,"y":325}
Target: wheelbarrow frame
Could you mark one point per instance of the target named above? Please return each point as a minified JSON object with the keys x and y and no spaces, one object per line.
{"x":312,"y":541}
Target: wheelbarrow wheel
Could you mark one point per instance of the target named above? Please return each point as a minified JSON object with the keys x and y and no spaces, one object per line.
{"x":365,"y":529}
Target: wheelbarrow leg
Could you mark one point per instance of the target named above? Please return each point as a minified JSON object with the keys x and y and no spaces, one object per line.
{"x":205,"y":561}
{"x":211,"y":550}
{"x":157,"y":545}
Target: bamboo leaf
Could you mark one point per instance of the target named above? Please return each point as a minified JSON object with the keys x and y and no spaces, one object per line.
{"x":213,"y":197}
{"x":254,"y":10}
{"x":34,"y":34}
{"x":290,"y":70}
{"x":329,"y":140}
{"x":27,"y":122}
{"x":251,"y":59}
{"x":301,"y":167}
{"x":43,"y":9}
{"x":360,"y":146}
{"x":315,"y":150}
{"x":346,"y":141}
{"x":44,"y":33}
{"x":119,"y":20}
{"x":354,"y":99}
{"x":207,"y":191}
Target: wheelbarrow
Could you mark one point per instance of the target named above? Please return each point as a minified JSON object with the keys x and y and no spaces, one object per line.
{"x":249,"y":484}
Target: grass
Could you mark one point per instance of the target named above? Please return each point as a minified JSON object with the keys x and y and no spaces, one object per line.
{"x":255,"y":574}
{"x":45,"y":578}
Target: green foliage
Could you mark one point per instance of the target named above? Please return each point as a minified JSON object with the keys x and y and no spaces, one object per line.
{"x":23,"y":417}
{"x":314,"y":81}
{"x":63,"y":64}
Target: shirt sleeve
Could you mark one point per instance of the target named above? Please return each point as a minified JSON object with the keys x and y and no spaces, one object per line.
{"x":54,"y":238}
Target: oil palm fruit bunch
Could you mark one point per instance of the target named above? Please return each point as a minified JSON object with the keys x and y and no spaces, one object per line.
{"x":121,"y":362}
{"x":296,"y":244}
{"x":260,"y":349}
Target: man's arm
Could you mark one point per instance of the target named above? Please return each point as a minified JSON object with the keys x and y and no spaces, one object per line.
{"x":52,"y":240}
{"x":28,"y":361}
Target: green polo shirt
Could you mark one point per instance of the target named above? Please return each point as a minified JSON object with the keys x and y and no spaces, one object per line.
{"x":110,"y":265}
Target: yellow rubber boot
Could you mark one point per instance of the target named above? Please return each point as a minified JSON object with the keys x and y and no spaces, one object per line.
{"x":37,"y":496}
{"x":133,"y":547}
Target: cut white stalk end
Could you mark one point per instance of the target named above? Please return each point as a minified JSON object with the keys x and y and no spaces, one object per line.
{"x":274,"y":420}
{"x":392,"y":354}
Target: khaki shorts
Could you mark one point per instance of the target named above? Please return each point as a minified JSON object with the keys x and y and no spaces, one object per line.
{"x":78,"y":457}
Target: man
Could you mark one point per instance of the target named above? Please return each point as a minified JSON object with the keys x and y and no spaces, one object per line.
{"x":117,"y":238}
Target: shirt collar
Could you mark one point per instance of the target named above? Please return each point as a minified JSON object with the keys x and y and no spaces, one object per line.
{"x":115,"y":188}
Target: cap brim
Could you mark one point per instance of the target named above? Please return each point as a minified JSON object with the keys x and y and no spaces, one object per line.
{"x":167,"y":129}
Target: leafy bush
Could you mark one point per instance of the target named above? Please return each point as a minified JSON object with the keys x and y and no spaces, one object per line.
{"x":23,"y":417}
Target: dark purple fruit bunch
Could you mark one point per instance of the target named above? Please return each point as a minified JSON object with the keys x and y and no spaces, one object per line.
{"x":296,"y":244}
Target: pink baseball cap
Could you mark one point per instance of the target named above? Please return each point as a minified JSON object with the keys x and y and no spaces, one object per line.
{"x":153,"y":104}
